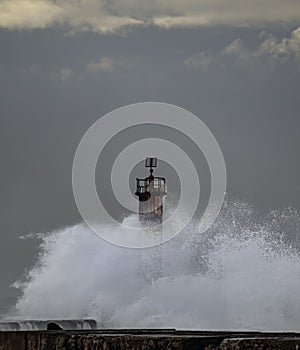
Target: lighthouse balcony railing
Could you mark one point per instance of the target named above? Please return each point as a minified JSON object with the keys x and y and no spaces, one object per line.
{"x":148,"y":185}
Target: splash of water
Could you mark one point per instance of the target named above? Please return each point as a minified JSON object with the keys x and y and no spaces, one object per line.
{"x":244,"y":273}
{"x":33,"y":325}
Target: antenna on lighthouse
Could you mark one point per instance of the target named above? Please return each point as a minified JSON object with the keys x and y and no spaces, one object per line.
{"x":151,"y":163}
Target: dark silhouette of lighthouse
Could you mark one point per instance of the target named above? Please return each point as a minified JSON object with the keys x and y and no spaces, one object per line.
{"x":151,"y":191}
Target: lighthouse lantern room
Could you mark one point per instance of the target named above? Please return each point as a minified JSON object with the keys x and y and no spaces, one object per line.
{"x":151,"y":191}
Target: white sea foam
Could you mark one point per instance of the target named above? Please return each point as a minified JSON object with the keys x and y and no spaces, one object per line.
{"x":244,"y":273}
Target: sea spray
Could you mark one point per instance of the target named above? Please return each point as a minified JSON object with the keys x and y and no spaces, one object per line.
{"x":243,"y":273}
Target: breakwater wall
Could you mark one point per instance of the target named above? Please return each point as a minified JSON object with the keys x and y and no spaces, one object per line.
{"x":146,"y":340}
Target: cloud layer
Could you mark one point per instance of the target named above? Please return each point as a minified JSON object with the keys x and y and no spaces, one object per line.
{"x":114,"y":16}
{"x":270,"y":51}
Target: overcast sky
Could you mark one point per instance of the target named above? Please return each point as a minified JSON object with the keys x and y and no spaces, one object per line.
{"x":65,"y":63}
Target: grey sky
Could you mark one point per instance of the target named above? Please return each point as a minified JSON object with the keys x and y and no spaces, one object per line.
{"x":63,"y":64}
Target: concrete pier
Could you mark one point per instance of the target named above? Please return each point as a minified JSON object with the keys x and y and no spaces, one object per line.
{"x":146,"y":339}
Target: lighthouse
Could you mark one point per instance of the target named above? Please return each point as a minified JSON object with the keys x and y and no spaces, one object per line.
{"x":151,"y":192}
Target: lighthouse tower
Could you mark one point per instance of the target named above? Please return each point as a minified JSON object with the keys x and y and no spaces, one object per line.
{"x":151,"y":191}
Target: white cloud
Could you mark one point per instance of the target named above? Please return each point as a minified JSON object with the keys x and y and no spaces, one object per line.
{"x":269,"y":51}
{"x":106,"y":64}
{"x":114,"y":15}
{"x":235,"y":48}
{"x":202,"y":60}
{"x":282,"y":49}
{"x":66,"y":74}
{"x":16,"y":14}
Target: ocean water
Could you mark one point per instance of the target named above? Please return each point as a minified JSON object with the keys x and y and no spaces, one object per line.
{"x":242,"y":274}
